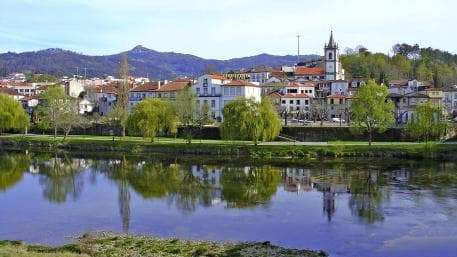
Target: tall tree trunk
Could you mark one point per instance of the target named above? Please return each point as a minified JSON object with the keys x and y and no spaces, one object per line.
{"x":370,"y":137}
{"x":55,"y":132}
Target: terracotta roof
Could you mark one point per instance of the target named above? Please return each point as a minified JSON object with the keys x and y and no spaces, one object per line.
{"x":173,"y":86}
{"x":109,"y":89}
{"x":8,"y":91}
{"x":146,"y":87}
{"x":278,"y":74}
{"x":400,"y":82}
{"x":296,"y":84}
{"x":274,"y":94}
{"x":296,"y":96}
{"x":217,"y":76}
{"x":240,"y":83}
{"x":37,"y":97}
{"x":309,"y":71}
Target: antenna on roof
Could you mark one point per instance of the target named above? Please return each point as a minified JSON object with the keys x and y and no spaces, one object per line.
{"x":298,"y":48}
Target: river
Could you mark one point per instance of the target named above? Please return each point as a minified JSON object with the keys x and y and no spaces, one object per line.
{"x":356,"y":207}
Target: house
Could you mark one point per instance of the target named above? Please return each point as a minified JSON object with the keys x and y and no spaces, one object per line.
{"x":338,"y":106}
{"x":11,"y":93}
{"x":260,"y":74}
{"x":170,"y":89}
{"x":141,"y":92}
{"x":85,"y":106}
{"x":299,"y":88}
{"x":405,"y":104}
{"x":30,"y":103}
{"x":297,"y":105}
{"x":435,"y":96}
{"x":309,"y":73}
{"x":105,"y":99}
{"x":449,"y":101}
{"x":217,"y":90}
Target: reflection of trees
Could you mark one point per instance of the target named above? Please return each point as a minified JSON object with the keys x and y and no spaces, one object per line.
{"x":250,"y":186}
{"x":62,"y":178}
{"x":12,"y":167}
{"x":367,"y":195}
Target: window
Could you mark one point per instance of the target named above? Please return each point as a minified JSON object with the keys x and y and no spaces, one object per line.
{"x":298,"y":102}
{"x":306,"y":102}
{"x":232,"y":91}
{"x":332,"y":101}
{"x":341,"y":101}
{"x":291,"y":101}
{"x":213,"y":91}
{"x":330,"y":56}
{"x":213,"y":103}
{"x":238,"y":91}
{"x":283,"y":101}
{"x":205,"y":91}
{"x":198,"y":90}
{"x":205,"y":102}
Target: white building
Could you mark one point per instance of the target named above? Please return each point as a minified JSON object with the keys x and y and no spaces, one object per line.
{"x":216,"y":91}
{"x":85,"y":106}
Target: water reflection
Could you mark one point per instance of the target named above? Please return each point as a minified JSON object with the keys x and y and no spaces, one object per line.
{"x":191,"y":186}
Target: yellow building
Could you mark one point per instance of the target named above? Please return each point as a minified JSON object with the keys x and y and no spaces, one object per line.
{"x":435,"y":96}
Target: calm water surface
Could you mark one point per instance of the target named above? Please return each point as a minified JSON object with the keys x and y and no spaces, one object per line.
{"x":352,"y":208}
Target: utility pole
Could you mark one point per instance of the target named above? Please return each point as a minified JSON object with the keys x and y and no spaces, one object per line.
{"x":298,"y":48}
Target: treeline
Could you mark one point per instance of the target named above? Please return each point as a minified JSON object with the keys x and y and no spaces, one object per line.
{"x":408,"y":62}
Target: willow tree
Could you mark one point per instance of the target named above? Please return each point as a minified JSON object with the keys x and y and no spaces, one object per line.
{"x":247,"y":119}
{"x":371,"y":109}
{"x":152,"y":116}
{"x":426,"y":122}
{"x":12,"y":115}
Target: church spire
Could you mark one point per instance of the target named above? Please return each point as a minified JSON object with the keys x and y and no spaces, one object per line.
{"x":331,"y":42}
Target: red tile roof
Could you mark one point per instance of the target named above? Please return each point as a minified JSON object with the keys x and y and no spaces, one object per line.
{"x":146,"y":87}
{"x":8,"y":91}
{"x":240,"y":83}
{"x":274,"y":94}
{"x":309,"y":71}
{"x":296,"y":84}
{"x":296,"y":96}
{"x":109,"y":89}
{"x":217,"y":76}
{"x":173,"y":86}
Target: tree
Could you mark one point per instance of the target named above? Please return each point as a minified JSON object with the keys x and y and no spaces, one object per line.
{"x":427,"y":122}
{"x":12,"y":115}
{"x":152,"y":116}
{"x":122,"y":103}
{"x":250,"y":120}
{"x":186,"y":109}
{"x":58,"y":110}
{"x":371,"y":109}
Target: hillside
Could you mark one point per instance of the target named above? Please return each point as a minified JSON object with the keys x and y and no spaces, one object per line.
{"x":142,"y":61}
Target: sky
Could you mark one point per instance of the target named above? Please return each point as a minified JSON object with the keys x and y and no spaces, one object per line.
{"x":224,"y":29}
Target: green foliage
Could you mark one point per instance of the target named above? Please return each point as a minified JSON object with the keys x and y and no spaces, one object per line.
{"x":408,"y":62}
{"x":152,"y":116}
{"x":12,"y":167}
{"x":42,"y":78}
{"x":58,"y":110}
{"x":187,"y":111}
{"x":427,"y":122}
{"x":247,"y":119}
{"x":371,"y":109}
{"x":12,"y":115}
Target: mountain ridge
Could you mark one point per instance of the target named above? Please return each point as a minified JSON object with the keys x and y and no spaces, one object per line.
{"x":142,"y":61}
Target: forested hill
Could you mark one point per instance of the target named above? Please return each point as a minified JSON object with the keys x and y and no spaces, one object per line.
{"x":142,"y":61}
{"x":407,"y":62}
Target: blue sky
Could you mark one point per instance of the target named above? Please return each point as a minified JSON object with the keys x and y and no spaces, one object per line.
{"x":223,"y":29}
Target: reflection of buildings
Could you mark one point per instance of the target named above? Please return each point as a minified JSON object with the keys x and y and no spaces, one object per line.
{"x":212,"y":176}
{"x":328,"y":182}
{"x":296,"y":179}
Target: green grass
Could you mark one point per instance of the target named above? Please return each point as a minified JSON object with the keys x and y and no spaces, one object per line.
{"x":123,"y":245}
{"x":221,"y":148}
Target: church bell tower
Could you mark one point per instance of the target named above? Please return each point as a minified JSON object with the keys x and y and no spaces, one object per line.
{"x":333,"y":70}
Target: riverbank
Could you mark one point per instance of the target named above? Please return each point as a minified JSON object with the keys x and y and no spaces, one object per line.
{"x":102,"y":244}
{"x":220,"y":148}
